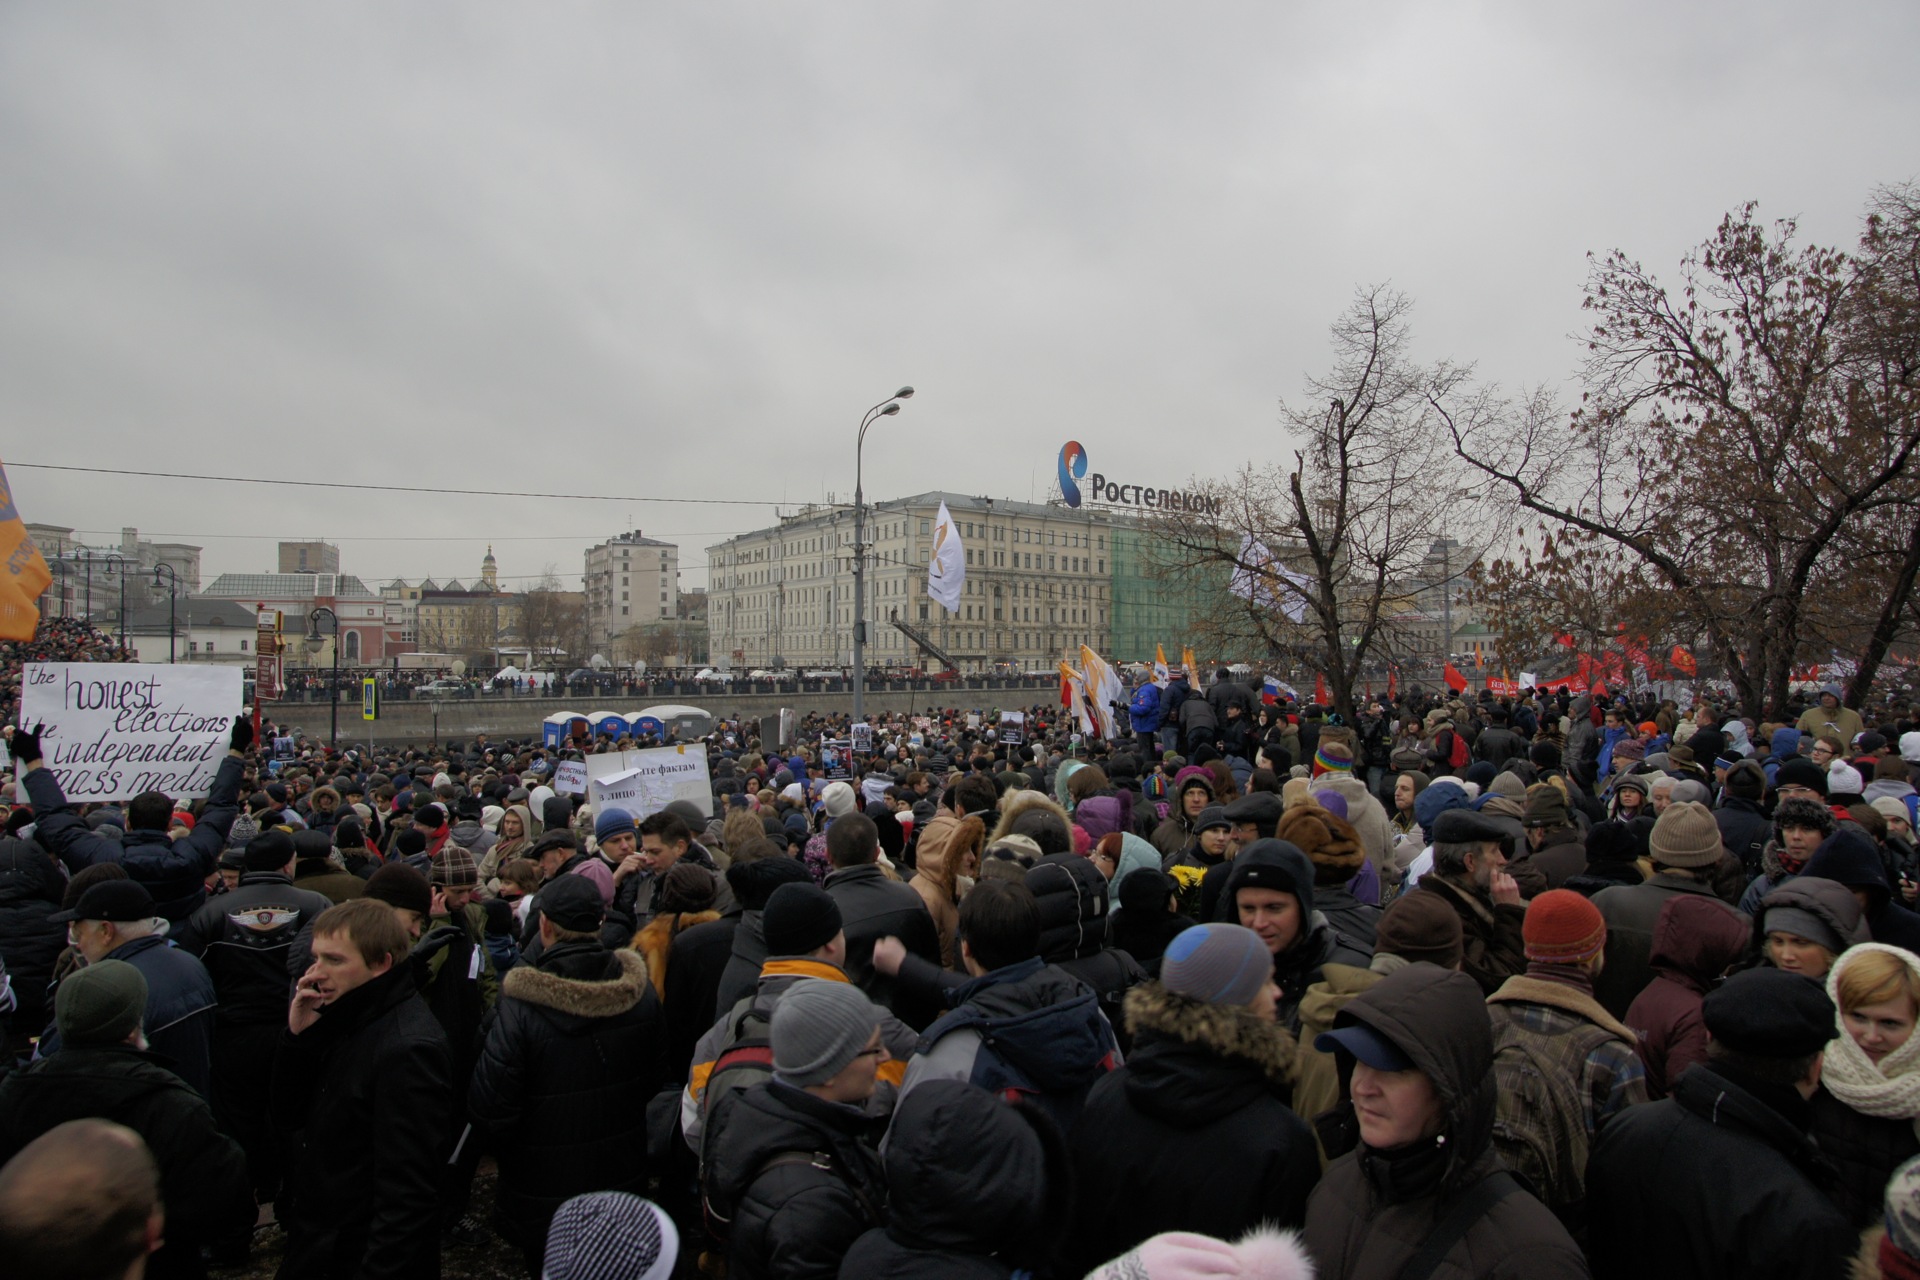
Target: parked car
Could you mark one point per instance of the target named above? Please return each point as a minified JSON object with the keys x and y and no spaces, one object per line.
{"x":445,"y":689}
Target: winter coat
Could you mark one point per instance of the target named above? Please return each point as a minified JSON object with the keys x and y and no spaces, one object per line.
{"x":1719,"y":1180}
{"x":1489,"y":931}
{"x":1695,"y":940}
{"x":246,"y":937}
{"x":1864,"y":1151}
{"x":1849,"y":857}
{"x":1743,"y":830}
{"x":369,"y":1088}
{"x":655,"y":942}
{"x":1631,"y":912}
{"x":747,"y":953}
{"x":31,"y":886}
{"x":203,"y":1175}
{"x":791,"y":1218}
{"x":944,"y":845}
{"x":695,"y":963}
{"x":975,"y":1188}
{"x":1351,"y":918}
{"x":1193,"y":1134}
{"x":1315,"y":1076}
{"x":1831,"y":902}
{"x":173,"y":871}
{"x":873,"y":907}
{"x":178,"y":1021}
{"x":1370,"y":1215}
{"x":572,"y":1056}
{"x":1562,"y":857}
{"x":334,"y":883}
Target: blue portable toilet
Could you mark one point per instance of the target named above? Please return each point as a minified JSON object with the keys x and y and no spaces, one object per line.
{"x":557,"y":728}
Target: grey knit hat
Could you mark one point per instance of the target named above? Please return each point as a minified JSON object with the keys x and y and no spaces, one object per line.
{"x":610,"y":1235}
{"x":1217,"y":963}
{"x":1686,"y":836}
{"x":819,"y":1027}
{"x":100,"y":1004}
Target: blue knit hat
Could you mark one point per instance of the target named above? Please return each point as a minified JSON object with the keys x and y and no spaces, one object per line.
{"x":1217,"y":964}
{"x":612,"y":822}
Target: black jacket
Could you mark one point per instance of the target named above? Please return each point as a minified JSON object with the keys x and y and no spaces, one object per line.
{"x":203,"y":1175}
{"x":695,"y":963}
{"x":794,"y":1220}
{"x":174,"y":871}
{"x":1864,"y":1151}
{"x":742,"y":972}
{"x":977,"y":1188}
{"x":179,"y":1016}
{"x":873,"y":907}
{"x":1194,"y":1133}
{"x":1743,"y":831}
{"x":246,"y":939}
{"x":572,"y":1056}
{"x":1718,"y":1180}
{"x":369,"y":1088}
{"x":30,"y":890}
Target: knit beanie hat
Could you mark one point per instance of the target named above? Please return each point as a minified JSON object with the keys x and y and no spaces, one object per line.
{"x":1332,"y":757}
{"x":1802,"y":923}
{"x":611,"y":822}
{"x":1217,"y":964}
{"x":818,"y":1028}
{"x":1903,"y":1214}
{"x":269,"y":851}
{"x":1563,"y":927}
{"x":100,"y":1004}
{"x":1265,"y":1253}
{"x":399,"y":885}
{"x":1889,"y":807}
{"x":1192,"y":776}
{"x":1211,"y":816}
{"x":1801,"y":772}
{"x":1910,"y":747}
{"x":453,"y":868}
{"x":1747,"y":781}
{"x":1686,"y":836}
{"x":1844,"y":780}
{"x":1546,"y":807}
{"x":799,"y":919}
{"x":754,"y":883}
{"x":1421,"y":926}
{"x":838,"y":799}
{"x":244,"y":829}
{"x":610,"y":1235}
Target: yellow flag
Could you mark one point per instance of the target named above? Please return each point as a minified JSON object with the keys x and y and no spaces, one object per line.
{"x":25,"y":575}
{"x":1160,"y":674}
{"x":1193,"y":668}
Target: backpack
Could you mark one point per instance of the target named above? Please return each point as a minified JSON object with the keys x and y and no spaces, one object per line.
{"x":1459,"y":756}
{"x":1540,"y":1118}
{"x":745,"y":1062}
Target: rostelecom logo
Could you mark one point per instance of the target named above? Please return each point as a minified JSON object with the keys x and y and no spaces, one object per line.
{"x":1073,"y":465}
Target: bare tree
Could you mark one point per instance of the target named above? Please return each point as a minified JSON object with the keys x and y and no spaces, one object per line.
{"x":551,"y":623}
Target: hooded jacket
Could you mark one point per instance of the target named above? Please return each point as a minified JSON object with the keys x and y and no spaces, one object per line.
{"x":944,"y":845}
{"x":31,"y":887}
{"x":1695,"y":941}
{"x":1365,"y":813}
{"x":573,"y":1054}
{"x":1371,"y":1213}
{"x":1194,"y":1133}
{"x":1849,"y":857}
{"x":1631,"y":912}
{"x":1318,"y":943}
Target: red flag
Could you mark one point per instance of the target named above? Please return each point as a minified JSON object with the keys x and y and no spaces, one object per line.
{"x":1393,"y":682}
{"x":1320,"y":689}
{"x":1683,"y":662}
{"x":1455,"y":681}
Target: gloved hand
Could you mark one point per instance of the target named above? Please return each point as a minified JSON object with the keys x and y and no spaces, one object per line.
{"x":25,"y":744}
{"x":242,"y":734}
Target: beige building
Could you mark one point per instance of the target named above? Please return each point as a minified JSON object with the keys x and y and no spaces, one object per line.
{"x":309,"y":557}
{"x":1038,"y":585}
{"x":87,"y":576}
{"x":631,"y":581}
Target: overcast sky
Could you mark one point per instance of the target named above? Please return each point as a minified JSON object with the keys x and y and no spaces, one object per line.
{"x":675,"y":250}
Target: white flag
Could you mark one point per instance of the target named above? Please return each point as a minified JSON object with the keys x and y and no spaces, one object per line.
{"x":1103,"y":690}
{"x":947,"y":566}
{"x":1255,"y":579}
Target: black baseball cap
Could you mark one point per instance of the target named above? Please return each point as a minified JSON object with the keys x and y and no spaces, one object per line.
{"x":121,"y":901}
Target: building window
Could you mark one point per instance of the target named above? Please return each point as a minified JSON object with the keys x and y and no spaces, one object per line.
{"x":623,"y":610}
{"x":193,"y":646}
{"x":243,"y":646}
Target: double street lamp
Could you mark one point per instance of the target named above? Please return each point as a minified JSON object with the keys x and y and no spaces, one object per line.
{"x":173,"y":593}
{"x":886,"y":408}
{"x":313,"y":642}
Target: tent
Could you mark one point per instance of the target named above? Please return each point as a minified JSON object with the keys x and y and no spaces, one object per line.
{"x":685,"y":721}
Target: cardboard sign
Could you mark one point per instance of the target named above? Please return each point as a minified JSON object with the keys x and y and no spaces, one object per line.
{"x":647,"y":781}
{"x":570,"y":777}
{"x":836,"y":760}
{"x":116,"y":729}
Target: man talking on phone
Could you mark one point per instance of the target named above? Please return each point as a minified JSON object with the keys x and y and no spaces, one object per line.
{"x":363,"y":1076}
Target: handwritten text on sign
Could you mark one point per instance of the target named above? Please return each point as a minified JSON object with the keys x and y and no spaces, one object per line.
{"x":647,"y":781}
{"x":114,"y":730}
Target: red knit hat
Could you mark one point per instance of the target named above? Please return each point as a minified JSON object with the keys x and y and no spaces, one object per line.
{"x":1562,"y":927}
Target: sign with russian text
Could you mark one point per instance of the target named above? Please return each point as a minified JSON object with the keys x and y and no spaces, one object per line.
{"x":570,"y":777}
{"x":116,"y":729}
{"x":647,"y":781}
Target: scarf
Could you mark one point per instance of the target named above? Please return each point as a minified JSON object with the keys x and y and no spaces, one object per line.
{"x":1890,"y":1089}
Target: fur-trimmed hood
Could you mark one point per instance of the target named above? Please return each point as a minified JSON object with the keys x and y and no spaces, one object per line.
{"x":1225,"y":1030}
{"x":655,"y":940}
{"x":579,"y":997}
{"x":937,"y":858}
{"x":1021,"y":801}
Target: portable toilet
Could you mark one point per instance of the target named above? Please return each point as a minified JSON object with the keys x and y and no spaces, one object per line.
{"x":557,"y":728}
{"x":611,"y":723}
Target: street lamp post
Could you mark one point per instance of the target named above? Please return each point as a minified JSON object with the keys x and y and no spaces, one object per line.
{"x":173,"y":593}
{"x":887,"y":407}
{"x":313,"y":642}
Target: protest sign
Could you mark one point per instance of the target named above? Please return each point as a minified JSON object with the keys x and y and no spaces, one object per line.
{"x":836,"y":759}
{"x":1013,"y":726}
{"x":647,"y":781}
{"x":114,"y":730}
{"x":570,"y":777}
{"x":861,"y":736}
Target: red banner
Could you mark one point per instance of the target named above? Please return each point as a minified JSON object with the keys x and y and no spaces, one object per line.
{"x":1683,"y":662}
{"x":1455,"y":681}
{"x":1502,"y":688}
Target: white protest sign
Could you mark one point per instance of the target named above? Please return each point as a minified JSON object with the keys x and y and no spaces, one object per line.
{"x":570,"y":778}
{"x":116,"y":729}
{"x":645,"y":782}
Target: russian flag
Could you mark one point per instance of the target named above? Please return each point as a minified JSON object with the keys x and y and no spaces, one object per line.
{"x":1269,"y":691}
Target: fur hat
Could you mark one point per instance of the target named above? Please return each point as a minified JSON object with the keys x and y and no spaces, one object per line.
{"x":1329,"y":842}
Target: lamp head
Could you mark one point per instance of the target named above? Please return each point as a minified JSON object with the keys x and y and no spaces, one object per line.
{"x":891,"y":409}
{"x":313,"y":642}
{"x":904,"y":393}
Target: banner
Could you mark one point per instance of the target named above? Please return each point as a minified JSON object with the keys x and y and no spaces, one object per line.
{"x":116,"y":729}
{"x":1073,"y":693}
{"x":1264,"y":582}
{"x":646,"y":781}
{"x":24,"y":575}
{"x":1500,"y":688}
{"x":570,"y":777}
{"x":1103,"y":690}
{"x":947,"y":565}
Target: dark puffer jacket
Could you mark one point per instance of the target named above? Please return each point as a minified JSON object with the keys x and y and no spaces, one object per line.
{"x":174,"y":871}
{"x":791,"y":1218}
{"x":873,"y":907}
{"x":1864,"y":1151}
{"x":574,"y":1051}
{"x":30,"y":890}
{"x":1276,"y":863}
{"x":1695,"y":939}
{"x":1194,"y":1133}
{"x":1369,"y":1214}
{"x":977,"y":1188}
{"x":1849,"y":857}
{"x":1073,"y":899}
{"x":1718,"y":1180}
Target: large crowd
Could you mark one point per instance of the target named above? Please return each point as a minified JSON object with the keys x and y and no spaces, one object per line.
{"x":1541,"y":986}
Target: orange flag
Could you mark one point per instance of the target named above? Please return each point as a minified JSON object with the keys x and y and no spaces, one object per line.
{"x":1193,"y":668}
{"x":23,"y":571}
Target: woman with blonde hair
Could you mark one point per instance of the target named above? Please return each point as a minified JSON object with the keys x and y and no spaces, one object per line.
{"x":1866,"y":1113}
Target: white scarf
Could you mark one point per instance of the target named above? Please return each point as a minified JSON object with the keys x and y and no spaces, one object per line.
{"x":1889,"y":1089}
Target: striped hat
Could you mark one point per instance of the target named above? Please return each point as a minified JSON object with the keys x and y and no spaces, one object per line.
{"x":610,"y":1235}
{"x":1332,"y":757}
{"x":1563,"y":927}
